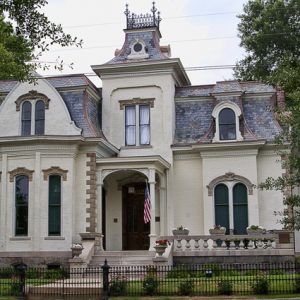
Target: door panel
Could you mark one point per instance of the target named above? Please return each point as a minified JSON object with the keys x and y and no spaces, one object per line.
{"x":135,"y":232}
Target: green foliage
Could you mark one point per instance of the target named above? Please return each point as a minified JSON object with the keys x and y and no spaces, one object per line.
{"x":25,"y":38}
{"x":261,"y":286}
{"x":150,"y":285}
{"x":224,"y":287}
{"x":179,"y":272}
{"x":117,"y":286}
{"x":186,"y":287}
{"x":270,"y":34}
{"x":215,"y":268}
{"x":297,"y":285}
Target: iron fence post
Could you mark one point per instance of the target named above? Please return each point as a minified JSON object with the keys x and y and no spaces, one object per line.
{"x":105,"y":280}
{"x":21,"y":273}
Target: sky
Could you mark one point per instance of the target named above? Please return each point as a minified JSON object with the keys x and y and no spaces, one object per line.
{"x":200,"y":33}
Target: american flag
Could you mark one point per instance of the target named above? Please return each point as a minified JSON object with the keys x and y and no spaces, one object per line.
{"x":147,"y":205}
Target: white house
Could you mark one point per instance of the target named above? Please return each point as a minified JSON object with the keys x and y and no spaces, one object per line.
{"x":75,"y":159}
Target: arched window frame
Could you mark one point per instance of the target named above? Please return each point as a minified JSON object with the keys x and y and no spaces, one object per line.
{"x":216,"y":112}
{"x":230,"y":186}
{"x":32,"y":97}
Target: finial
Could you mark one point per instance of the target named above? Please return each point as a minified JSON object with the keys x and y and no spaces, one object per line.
{"x":153,"y":8}
{"x":126,"y":12}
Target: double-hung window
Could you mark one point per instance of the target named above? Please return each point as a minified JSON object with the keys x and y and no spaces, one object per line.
{"x":137,"y":135}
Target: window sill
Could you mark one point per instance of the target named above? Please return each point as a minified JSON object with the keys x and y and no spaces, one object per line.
{"x":136,"y":147}
{"x":53,"y":238}
{"x":20,"y":238}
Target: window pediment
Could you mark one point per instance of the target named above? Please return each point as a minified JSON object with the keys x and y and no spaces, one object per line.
{"x":137,"y":101}
{"x":55,"y":171}
{"x":20,"y":171}
{"x":230,"y":177}
{"x":32,"y":95}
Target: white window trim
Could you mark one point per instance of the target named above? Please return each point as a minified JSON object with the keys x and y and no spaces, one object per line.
{"x":216,"y":112}
{"x":137,"y":126}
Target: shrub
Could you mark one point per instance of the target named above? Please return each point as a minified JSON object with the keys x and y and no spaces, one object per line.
{"x":224,"y":287}
{"x":261,"y":286}
{"x":297,"y":285}
{"x":216,"y":269}
{"x":54,"y":274}
{"x":32,"y":273}
{"x":150,"y":285}
{"x":186,"y":287}
{"x":117,"y":286}
{"x":179,"y":272}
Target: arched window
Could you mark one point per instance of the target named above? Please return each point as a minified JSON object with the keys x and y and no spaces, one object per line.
{"x":40,"y":117}
{"x":54,"y":205}
{"x":26,"y":118}
{"x":227,"y":124}
{"x":222,"y":206}
{"x":21,"y":205}
{"x":240,"y":208}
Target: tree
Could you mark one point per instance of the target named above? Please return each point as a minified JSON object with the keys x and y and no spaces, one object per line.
{"x":25,"y":33}
{"x":270,"y":33}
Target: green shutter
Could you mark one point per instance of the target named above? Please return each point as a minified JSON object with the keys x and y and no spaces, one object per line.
{"x":240,"y":208}
{"x":222,"y":206}
{"x":54,"y":209}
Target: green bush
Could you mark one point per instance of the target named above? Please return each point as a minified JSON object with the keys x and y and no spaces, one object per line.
{"x":216,"y":269}
{"x":117,"y":286}
{"x":6,"y":273}
{"x":54,"y":274}
{"x":186,"y":287}
{"x":33,"y":273}
{"x":297,"y":285}
{"x":261,"y":286}
{"x":224,"y":287}
{"x":150,"y":285}
{"x":179,"y":272}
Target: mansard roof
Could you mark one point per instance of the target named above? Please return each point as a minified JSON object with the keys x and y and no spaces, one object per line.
{"x":195,"y":104}
{"x":80,"y":96}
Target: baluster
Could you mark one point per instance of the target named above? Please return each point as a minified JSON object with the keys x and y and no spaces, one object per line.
{"x":241,"y":244}
{"x":251,"y":244}
{"x":188,"y":245}
{"x":260,"y":244}
{"x":196,"y":244}
{"x":179,"y":245}
{"x":205,"y":244}
{"x":232,"y":244}
{"x":223,"y":245}
{"x":214,"y":245}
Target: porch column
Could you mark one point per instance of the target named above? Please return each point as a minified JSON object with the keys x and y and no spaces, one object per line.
{"x":152,"y":234}
{"x":163,"y":215}
{"x":99,"y":211}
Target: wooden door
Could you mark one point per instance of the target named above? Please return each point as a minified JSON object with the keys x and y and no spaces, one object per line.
{"x":135,"y":232}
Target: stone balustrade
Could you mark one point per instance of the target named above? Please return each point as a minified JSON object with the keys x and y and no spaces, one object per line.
{"x":223,"y":242}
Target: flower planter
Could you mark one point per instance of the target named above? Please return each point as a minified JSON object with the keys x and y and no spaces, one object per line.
{"x":180,"y":231}
{"x":255,"y":231}
{"x":217,"y":231}
{"x":76,"y":251}
{"x":160,"y":249}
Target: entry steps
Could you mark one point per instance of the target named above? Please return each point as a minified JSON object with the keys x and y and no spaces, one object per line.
{"x":122,"y":258}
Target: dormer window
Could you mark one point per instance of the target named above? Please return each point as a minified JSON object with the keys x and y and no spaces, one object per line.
{"x":227,"y":124}
{"x":227,"y":115}
{"x":138,"y":50}
{"x":33,"y":118}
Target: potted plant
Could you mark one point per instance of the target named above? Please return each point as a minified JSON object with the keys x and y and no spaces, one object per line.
{"x":180,"y":230}
{"x":161,"y":246}
{"x":255,"y":229}
{"x":76,"y":249}
{"x":218,"y":229}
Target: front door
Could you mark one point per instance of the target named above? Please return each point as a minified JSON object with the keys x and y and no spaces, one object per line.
{"x":135,"y":232}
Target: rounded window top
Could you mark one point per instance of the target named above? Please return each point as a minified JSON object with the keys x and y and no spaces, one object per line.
{"x":137,"y":47}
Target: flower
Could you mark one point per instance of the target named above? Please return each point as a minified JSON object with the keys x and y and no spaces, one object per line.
{"x":77,"y":246}
{"x":219,"y":227}
{"x":180,"y":228}
{"x":255,"y":227}
{"x":162,"y":243}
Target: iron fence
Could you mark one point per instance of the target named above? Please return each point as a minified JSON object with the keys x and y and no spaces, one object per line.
{"x":194,"y":280}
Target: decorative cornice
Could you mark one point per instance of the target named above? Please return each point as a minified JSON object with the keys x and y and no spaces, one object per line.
{"x":20,"y":171}
{"x":55,"y":171}
{"x":230,"y":177}
{"x":136,"y":101}
{"x":32,"y":95}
